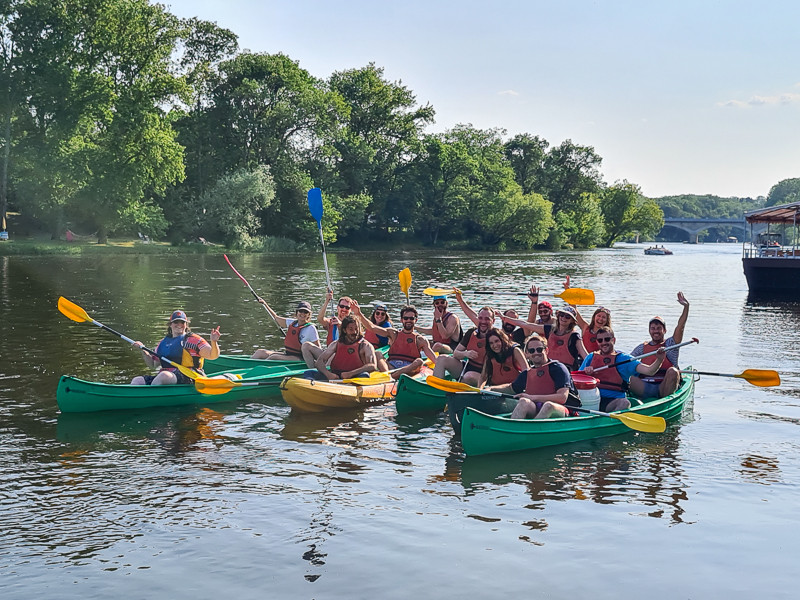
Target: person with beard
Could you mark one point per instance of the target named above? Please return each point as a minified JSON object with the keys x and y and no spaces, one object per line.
{"x":667,"y":379}
{"x":299,"y":330}
{"x":446,"y":329}
{"x":180,"y":346}
{"x":504,"y":359}
{"x":406,"y":346}
{"x":332,"y":325}
{"x":614,"y":380}
{"x":471,"y":349}
{"x":545,"y":389}
{"x":350,"y":356}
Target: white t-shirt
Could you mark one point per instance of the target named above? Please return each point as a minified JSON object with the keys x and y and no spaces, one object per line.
{"x":307,"y":334}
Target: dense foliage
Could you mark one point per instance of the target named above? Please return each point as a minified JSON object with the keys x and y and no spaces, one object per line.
{"x":118,"y":117}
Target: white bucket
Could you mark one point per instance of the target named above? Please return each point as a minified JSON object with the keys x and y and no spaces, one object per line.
{"x":587,"y":390}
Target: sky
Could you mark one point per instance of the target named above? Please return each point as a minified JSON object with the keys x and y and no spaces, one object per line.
{"x":679,"y":97}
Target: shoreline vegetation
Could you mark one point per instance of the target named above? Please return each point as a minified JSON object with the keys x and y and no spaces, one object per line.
{"x":133,"y":120}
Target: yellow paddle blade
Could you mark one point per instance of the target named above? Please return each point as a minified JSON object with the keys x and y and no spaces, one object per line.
{"x":761,"y":377}
{"x":437,"y":291}
{"x":578,"y":296}
{"x":644,"y":423}
{"x":194,"y":375}
{"x":72,"y":310}
{"x":405,"y":281}
{"x":449,"y":386}
{"x":374,"y":377}
{"x":207,"y":385}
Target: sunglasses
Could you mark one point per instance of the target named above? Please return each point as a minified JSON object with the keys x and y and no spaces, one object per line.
{"x":564,"y":316}
{"x":439,"y":302}
{"x":379,"y":312}
{"x":604,"y":340}
{"x":543,"y":311}
{"x":538,"y":350}
{"x":345,"y":306}
{"x":408,"y":318}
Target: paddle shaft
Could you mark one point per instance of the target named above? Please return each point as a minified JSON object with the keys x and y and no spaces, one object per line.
{"x":622,"y":362}
{"x":317,"y":211}
{"x":252,"y":291}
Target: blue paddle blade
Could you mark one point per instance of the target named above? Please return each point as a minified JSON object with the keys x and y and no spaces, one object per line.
{"x":315,"y":204}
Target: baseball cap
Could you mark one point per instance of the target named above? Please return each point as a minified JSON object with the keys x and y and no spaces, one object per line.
{"x":440,"y":297}
{"x":303,"y":305}
{"x":659,"y":320}
{"x":178,"y":315}
{"x":547,"y":304}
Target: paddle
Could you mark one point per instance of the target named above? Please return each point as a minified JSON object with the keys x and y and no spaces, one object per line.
{"x":633,"y":358}
{"x":213,"y":386}
{"x":76,"y":313}
{"x":252,"y":291}
{"x":405,"y":282}
{"x":635,"y":421}
{"x":759,"y":377}
{"x":315,"y":206}
{"x":579,"y":296}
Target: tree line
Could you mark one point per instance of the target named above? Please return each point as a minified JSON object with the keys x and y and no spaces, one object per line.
{"x":119,"y":117}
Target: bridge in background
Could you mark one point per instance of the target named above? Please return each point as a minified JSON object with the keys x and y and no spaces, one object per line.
{"x":695,"y":226}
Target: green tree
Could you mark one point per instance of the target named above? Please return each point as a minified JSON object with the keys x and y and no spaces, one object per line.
{"x":526,"y":154}
{"x":625,"y":211}
{"x":570,"y":171}
{"x":784,"y":192}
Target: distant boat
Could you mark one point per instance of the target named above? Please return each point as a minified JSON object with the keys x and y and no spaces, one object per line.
{"x":657,"y":251}
{"x":772,"y":267}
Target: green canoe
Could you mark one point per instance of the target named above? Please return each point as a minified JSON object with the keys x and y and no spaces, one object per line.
{"x":230,"y":362}
{"x":76,"y":395}
{"x":415,"y":396}
{"x":487,"y":434}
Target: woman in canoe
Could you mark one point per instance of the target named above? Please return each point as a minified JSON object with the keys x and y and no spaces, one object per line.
{"x":379,"y":317}
{"x":298,"y":331}
{"x":600,"y":318}
{"x":180,"y":346}
{"x":504,"y":359}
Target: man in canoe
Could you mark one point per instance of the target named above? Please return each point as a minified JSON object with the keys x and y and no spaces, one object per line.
{"x":668,"y":378}
{"x":181,"y":346}
{"x":545,"y":389}
{"x":406,"y":346}
{"x":471,"y":350}
{"x":446,"y":329}
{"x":331,"y":325}
{"x":299,"y":330}
{"x":606,"y":365}
{"x":349,"y":356}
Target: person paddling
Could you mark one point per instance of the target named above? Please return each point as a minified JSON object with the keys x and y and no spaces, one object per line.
{"x":180,"y":346}
{"x":299,"y":330}
{"x":668,"y":377}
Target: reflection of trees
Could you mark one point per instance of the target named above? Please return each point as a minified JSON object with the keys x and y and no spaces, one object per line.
{"x":760,"y":469}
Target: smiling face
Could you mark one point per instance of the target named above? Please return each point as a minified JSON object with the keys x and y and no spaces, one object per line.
{"x":343,"y":308}
{"x":545,"y":313}
{"x":600,"y":318}
{"x":495,"y":343}
{"x":350,"y":332}
{"x":303,"y":316}
{"x":510,"y":327}
{"x":485,"y":320}
{"x":657,"y":332}
{"x":536,"y":352}
{"x":606,"y":342}
{"x":409,"y":319}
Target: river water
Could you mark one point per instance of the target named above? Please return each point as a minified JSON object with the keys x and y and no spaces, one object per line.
{"x":249,"y":501}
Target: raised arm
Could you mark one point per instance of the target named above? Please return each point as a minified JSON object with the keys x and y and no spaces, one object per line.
{"x":321,"y":318}
{"x":468,"y":310}
{"x":527,"y":326}
{"x":677,"y":335}
{"x":533,"y":312}
{"x":271,"y":312}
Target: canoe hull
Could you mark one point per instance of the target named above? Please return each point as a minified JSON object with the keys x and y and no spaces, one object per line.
{"x":415,"y":396}
{"x":487,"y":434}
{"x":306,"y":395}
{"x":230,"y":362}
{"x":76,"y":395}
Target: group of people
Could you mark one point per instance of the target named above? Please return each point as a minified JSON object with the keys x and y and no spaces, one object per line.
{"x":531,"y":358}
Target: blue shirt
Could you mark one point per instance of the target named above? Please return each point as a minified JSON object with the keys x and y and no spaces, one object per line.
{"x":625,"y":371}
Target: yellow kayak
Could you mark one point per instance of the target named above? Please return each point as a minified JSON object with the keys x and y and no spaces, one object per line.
{"x":306,"y":395}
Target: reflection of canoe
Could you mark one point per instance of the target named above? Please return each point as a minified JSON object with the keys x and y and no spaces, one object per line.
{"x":230,"y":362}
{"x":415,"y":396}
{"x":486,"y":434}
{"x":77,"y":395}
{"x":307,"y":395}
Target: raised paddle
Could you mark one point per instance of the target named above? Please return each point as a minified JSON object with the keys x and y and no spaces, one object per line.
{"x":405,"y":282}
{"x":315,"y":207}
{"x":635,"y":421}
{"x":759,"y":377}
{"x":578,"y":296}
{"x":252,"y":291}
{"x":214,"y":386}
{"x":633,"y":358}
{"x":76,"y":313}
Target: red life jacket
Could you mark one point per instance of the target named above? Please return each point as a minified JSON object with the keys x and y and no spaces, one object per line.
{"x":610,"y":379}
{"x":649,"y":360}
{"x":438,"y":337}
{"x":329,"y":338}
{"x":590,"y":340}
{"x":291,"y":343}
{"x":558,"y":348}
{"x":478,"y":345}
{"x":372,"y":337}
{"x":404,"y":347}
{"x":505,"y":372}
{"x":347,"y":357}
{"x":539,"y":382}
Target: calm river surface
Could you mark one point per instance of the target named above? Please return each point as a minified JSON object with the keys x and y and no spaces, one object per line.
{"x":248,"y":501}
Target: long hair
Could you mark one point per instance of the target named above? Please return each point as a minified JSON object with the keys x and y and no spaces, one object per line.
{"x":593,"y":324}
{"x":505,"y":351}
{"x":169,"y":329}
{"x":383,"y":308}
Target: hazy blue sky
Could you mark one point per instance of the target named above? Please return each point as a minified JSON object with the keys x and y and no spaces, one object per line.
{"x":679,"y":97}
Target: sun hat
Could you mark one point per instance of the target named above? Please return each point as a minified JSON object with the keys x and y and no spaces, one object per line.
{"x":568,"y":310}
